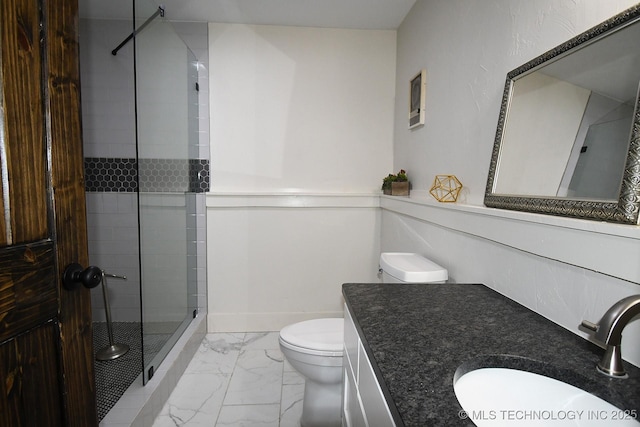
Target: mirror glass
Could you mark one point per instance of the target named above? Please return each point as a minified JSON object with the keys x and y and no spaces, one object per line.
{"x":568,"y":130}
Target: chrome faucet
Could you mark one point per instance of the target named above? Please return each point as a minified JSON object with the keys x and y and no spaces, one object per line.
{"x":609,"y":333}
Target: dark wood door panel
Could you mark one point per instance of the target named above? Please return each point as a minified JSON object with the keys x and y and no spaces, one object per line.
{"x":23,"y":102}
{"x":46,"y":357}
{"x":67,"y":177}
{"x":28,"y":291}
{"x":3,"y":227}
{"x":29,"y":380}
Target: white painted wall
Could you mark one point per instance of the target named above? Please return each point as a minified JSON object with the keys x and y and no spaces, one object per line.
{"x":275,"y":260}
{"x":300,"y":109}
{"x":299,"y":117}
{"x":256,"y":234}
{"x":467,"y":48}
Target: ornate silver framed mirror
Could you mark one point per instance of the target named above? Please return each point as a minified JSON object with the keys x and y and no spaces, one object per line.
{"x":568,"y":135}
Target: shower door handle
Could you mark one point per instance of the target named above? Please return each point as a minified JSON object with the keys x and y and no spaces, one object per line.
{"x":74,"y":275}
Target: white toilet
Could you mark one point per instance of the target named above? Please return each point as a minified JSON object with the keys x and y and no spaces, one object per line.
{"x":315,"y":347}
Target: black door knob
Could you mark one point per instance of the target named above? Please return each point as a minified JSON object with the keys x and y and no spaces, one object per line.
{"x":74,"y":275}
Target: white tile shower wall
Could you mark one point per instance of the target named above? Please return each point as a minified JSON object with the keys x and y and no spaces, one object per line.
{"x":109,"y":131}
{"x":168,"y":259}
{"x":197,"y":248}
{"x":163,"y":244}
{"x":201,"y":258}
{"x":112,"y":228}
{"x":108,"y":122}
{"x":162,"y":115}
{"x":195,"y":36}
{"x":108,"y":103}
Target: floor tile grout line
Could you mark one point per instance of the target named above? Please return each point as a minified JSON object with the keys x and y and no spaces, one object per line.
{"x":280,"y":413}
{"x":228,"y":383}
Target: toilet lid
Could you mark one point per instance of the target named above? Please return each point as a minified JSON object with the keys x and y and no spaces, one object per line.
{"x":412,"y":268}
{"x":316,"y":334}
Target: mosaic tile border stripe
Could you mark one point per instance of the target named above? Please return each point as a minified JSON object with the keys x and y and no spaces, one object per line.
{"x":106,"y":174}
{"x":198,"y":176}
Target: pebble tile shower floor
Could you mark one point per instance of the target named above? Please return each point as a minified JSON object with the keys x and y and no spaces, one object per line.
{"x":113,"y":377}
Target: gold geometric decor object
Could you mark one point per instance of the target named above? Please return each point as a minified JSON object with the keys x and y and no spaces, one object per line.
{"x":446,"y":188}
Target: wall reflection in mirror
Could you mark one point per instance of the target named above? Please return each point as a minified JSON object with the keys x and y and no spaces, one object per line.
{"x":567,"y":137}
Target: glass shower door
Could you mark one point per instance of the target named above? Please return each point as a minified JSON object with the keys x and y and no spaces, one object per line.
{"x":166,"y":111}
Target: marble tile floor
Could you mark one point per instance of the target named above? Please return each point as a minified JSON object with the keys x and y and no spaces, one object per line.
{"x":236,"y":379}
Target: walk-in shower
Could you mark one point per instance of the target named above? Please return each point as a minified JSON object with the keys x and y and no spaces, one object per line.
{"x":146,"y":170}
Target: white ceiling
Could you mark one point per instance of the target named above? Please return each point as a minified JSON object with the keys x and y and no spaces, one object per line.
{"x":357,"y":14}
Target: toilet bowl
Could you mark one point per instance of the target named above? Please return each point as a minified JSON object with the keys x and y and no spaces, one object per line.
{"x":315,"y":347}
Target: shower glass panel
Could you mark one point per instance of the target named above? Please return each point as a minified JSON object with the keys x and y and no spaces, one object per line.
{"x":109,"y":134}
{"x":167,"y":135}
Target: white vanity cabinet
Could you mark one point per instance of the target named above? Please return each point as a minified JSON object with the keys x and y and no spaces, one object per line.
{"x":363,"y":401}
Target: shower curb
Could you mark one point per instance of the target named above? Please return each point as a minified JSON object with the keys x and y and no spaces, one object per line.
{"x":140,"y":405}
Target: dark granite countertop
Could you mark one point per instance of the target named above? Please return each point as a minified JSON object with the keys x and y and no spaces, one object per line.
{"x":418,"y":335}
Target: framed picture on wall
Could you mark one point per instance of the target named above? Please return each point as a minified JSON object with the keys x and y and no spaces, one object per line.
{"x":417,"y":95}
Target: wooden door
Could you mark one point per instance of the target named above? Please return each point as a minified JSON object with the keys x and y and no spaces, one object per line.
{"x":46,"y":361}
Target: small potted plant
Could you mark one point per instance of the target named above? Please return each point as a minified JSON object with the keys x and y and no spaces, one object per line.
{"x":396,"y":185}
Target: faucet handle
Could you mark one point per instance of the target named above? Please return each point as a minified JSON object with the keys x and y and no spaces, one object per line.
{"x":609,"y":333}
{"x":591,"y":326}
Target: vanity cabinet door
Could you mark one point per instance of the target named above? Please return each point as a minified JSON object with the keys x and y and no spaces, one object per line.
{"x":373,"y":401}
{"x":351,"y":341}
{"x":352,"y":412}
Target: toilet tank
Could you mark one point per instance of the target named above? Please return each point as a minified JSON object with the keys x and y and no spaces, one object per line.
{"x":402,"y":267}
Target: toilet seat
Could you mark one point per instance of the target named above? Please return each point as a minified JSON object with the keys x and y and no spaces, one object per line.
{"x":322,"y":337}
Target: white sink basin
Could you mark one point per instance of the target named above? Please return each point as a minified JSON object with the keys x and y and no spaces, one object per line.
{"x":509,"y":397}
